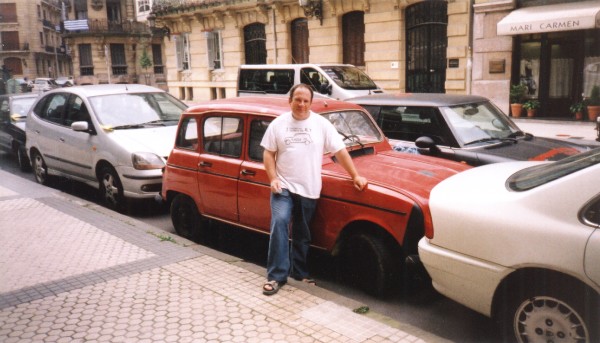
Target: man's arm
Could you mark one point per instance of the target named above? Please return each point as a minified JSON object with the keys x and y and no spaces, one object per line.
{"x":269,"y":162}
{"x":345,"y":160}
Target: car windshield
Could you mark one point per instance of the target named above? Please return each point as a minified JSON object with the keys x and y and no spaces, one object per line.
{"x":355,"y":127}
{"x":20,"y":107}
{"x":137,"y":109}
{"x":541,"y":174}
{"x":349,"y":77}
{"x":478,"y":122}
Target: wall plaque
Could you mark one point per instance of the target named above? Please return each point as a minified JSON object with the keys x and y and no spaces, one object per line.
{"x":497,"y":66}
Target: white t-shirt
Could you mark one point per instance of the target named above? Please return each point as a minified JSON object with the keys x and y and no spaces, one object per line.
{"x":300,"y":145}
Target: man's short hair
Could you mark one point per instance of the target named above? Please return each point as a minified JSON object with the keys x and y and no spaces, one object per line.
{"x":301,"y":85}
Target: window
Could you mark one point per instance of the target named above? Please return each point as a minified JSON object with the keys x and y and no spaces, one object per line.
{"x":118,"y":60}
{"x":157,"y":59}
{"x":214,"y":48}
{"x":14,"y":65}
{"x":86,"y":64}
{"x":143,"y":6}
{"x":353,"y":33}
{"x":77,"y":111}
{"x":113,"y":11}
{"x":257,"y":131}
{"x":427,"y":40}
{"x":55,"y":108}
{"x":187,"y":138}
{"x":255,"y":44}
{"x":182,"y":46}
{"x":223,"y":136}
{"x":300,"y":47}
{"x":80,"y":9}
{"x":10,"y":40}
{"x":9,"y":13}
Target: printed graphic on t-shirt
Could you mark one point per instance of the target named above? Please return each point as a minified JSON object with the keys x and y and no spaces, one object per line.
{"x":298,"y":136}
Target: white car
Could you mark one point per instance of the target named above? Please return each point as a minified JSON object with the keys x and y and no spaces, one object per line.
{"x":113,"y":137}
{"x":44,"y":84}
{"x":520,"y":242}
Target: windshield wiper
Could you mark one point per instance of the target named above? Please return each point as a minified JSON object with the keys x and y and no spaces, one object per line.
{"x":482,"y":140}
{"x":352,"y":138}
{"x":156,"y":122}
{"x":128,"y":126}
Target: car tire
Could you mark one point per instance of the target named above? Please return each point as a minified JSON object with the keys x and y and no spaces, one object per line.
{"x":187,"y":221}
{"x":367,"y":262}
{"x":550,"y":313}
{"x":111,"y":189}
{"x":23,"y":160}
{"x":40,"y":169}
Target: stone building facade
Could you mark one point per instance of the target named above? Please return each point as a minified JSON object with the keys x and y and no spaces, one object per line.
{"x":201,"y":30}
{"x":30,"y":37}
{"x":109,"y":45}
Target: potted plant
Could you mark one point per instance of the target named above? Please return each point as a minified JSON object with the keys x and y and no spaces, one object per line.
{"x":516,"y":95}
{"x":531,"y":106}
{"x":593,"y":103}
{"x":577,"y":110}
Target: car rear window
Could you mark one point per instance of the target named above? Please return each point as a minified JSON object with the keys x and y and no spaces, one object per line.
{"x":532,"y":177}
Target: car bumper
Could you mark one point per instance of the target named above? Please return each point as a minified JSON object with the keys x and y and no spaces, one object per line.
{"x":467,"y":280}
{"x":141,"y":183}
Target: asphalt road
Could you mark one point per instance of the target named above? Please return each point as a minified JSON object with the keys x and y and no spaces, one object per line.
{"x":418,"y":305}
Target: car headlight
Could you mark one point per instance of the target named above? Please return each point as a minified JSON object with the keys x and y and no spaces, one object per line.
{"x":146,"y":160}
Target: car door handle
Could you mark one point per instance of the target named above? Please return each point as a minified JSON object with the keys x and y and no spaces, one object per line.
{"x":248,"y":172}
{"x":61,"y":139}
{"x":204,"y":164}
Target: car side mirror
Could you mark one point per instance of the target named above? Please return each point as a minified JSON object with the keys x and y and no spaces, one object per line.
{"x":426,"y":146}
{"x":80,"y":126}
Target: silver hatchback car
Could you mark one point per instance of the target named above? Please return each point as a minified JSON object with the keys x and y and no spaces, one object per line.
{"x":113,"y":137}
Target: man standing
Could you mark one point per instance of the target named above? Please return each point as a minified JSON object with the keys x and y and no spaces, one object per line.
{"x":294,"y":146}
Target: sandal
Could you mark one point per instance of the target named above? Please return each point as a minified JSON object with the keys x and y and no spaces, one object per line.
{"x":272,"y":287}
{"x":310,"y":281}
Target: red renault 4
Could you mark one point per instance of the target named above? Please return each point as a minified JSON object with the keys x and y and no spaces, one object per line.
{"x":215,"y":171}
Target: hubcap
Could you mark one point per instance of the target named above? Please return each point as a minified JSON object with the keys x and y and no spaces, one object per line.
{"x":550,"y":320}
{"x":111,"y":192}
{"x":40,"y":173}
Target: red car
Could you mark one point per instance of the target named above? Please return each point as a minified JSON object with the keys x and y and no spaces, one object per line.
{"x":215,"y":171}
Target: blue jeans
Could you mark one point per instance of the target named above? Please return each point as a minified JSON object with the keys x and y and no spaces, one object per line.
{"x":285,"y":208}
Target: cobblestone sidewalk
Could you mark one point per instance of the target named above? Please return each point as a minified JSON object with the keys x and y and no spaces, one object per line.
{"x":69,"y":272}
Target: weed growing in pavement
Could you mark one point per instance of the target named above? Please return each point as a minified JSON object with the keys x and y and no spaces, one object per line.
{"x":163,"y":237}
{"x":361,"y":310}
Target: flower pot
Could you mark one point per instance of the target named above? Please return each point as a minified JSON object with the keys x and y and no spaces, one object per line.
{"x":531,"y":112}
{"x":593,"y":112}
{"x":516,"y":109}
{"x":579,"y":115}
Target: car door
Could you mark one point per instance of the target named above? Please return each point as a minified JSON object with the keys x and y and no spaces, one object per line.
{"x":219,"y":164}
{"x":44,"y":133}
{"x":591,"y":216}
{"x":254,"y":187}
{"x":5,"y":136}
{"x":78,"y":147}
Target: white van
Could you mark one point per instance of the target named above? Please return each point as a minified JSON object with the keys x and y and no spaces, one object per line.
{"x":337,"y":81}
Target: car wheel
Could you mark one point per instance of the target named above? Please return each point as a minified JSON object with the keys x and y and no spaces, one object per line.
{"x":367,"y":262}
{"x":39,"y":168}
{"x":23,"y":160}
{"x":545,"y":315}
{"x":186,"y":219}
{"x":111,"y":189}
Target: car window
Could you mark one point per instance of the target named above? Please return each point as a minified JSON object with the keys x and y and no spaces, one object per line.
{"x":136,"y":109}
{"x":187,"y":137}
{"x":258,"y":127}
{"x":537,"y":175}
{"x":272,"y":81}
{"x":4,"y":111}
{"x":356,"y":127}
{"x":223,"y":136}
{"x":408,"y":122}
{"x":590,"y":214}
{"x":77,"y":111}
{"x":21,"y":106}
{"x":55,"y":108}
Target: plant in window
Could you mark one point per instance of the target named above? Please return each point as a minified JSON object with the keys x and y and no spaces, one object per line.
{"x":145,"y":63}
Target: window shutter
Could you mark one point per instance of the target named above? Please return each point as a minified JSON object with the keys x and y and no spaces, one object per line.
{"x":210,"y":42}
{"x":179,"y":51}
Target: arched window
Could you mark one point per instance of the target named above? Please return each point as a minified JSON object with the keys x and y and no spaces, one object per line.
{"x":255,"y":44}
{"x":426,"y":43}
{"x":300,"y":48}
{"x":353,"y":35}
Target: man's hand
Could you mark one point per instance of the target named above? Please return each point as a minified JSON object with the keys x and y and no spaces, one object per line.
{"x":360,"y":183}
{"x":276,"y":186}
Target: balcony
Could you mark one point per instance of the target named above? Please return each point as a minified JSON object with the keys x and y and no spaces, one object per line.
{"x":102,"y":26}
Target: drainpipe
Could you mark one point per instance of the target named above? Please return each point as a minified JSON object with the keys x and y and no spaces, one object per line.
{"x":470,"y":48}
{"x":274,"y":35}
